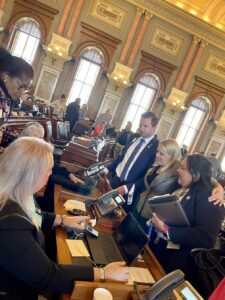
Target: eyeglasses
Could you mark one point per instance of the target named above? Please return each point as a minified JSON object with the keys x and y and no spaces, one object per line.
{"x":21,"y":86}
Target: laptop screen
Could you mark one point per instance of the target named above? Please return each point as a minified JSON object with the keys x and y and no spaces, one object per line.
{"x":130,"y":237}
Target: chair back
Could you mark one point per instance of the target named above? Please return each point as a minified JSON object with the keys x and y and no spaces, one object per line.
{"x":68,"y":127}
{"x":62,"y":131}
{"x":49,"y":131}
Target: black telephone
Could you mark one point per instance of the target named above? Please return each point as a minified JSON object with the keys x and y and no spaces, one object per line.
{"x":172,"y":286}
{"x":109,"y":202}
{"x":163,"y":288}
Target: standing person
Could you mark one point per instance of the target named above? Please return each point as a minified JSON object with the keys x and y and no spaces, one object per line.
{"x":216,"y":165}
{"x":25,"y":269}
{"x":83,"y":112}
{"x":136,"y":158}
{"x":173,"y":250}
{"x":16,"y":76}
{"x":72,"y":113}
{"x":184,"y":150}
{"x":59,"y":107}
{"x":123,"y":137}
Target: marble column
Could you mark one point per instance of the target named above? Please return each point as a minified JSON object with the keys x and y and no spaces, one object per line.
{"x":76,"y":14}
{"x":130,"y":36}
{"x":138,"y":41}
{"x":186,"y":62}
{"x":64,"y":17}
{"x":198,"y":55}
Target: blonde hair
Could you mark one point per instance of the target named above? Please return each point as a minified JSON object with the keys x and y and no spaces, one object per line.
{"x":172,"y":148}
{"x":22,"y":164}
{"x":33,"y":129}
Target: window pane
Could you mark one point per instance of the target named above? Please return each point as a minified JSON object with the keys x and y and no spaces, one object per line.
{"x":147,"y":98}
{"x":85,"y":93}
{"x":83,"y":70}
{"x":189,"y":137}
{"x":189,"y":116}
{"x":223,"y":164}
{"x":75,"y":91}
{"x":92,"y":74}
{"x":130,"y":116}
{"x":140,"y":89}
{"x":21,"y":41}
{"x":181,"y":135}
{"x":199,"y":114}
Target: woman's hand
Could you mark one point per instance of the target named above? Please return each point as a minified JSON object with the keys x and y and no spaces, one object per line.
{"x":76,"y":222}
{"x":158,"y":224}
{"x":115,"y":272}
{"x":217,"y":196}
{"x":75,"y":179}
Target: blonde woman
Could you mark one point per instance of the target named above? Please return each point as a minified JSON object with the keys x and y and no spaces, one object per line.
{"x":25,"y":270}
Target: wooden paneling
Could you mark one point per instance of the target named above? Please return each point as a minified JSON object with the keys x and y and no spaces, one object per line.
{"x":91,"y":36}
{"x":209,"y":90}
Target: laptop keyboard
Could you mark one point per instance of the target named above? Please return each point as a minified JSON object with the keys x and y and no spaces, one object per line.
{"x":110,"y":248}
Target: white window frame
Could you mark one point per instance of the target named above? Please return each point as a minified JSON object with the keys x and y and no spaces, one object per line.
{"x":24,"y":44}
{"x":137,"y":106}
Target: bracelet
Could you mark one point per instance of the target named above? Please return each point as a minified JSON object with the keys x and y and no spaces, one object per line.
{"x":102,"y":274}
{"x":62,"y":220}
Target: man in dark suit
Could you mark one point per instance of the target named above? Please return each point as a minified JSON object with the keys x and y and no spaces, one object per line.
{"x":72,"y":113}
{"x":137,"y":157}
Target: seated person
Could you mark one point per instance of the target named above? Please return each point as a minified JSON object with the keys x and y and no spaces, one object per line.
{"x":173,"y":249}
{"x":35,"y":129}
{"x":20,"y":103}
{"x":122,"y":139}
{"x":99,"y":129}
{"x":59,"y":107}
{"x":25,"y":269}
{"x":83,"y":112}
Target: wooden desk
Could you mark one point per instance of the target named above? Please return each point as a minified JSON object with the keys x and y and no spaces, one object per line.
{"x":63,"y":254}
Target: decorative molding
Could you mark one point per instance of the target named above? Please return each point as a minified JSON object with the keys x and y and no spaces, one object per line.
{"x":42,"y":13}
{"x":165,"y":127}
{"x":121,"y":74}
{"x":207,"y":89}
{"x":152,"y":64}
{"x":215,"y":145}
{"x":93,"y":37}
{"x":166,"y":41}
{"x":49,"y":78}
{"x":183,"y":20}
{"x":108,"y":13}
{"x":59,"y":46}
{"x":110,"y":101}
{"x":215,"y":66}
{"x":177,"y":98}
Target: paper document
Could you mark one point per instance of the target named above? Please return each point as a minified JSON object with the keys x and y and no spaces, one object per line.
{"x":140,"y":275}
{"x":77,"y":248}
{"x":74,"y":204}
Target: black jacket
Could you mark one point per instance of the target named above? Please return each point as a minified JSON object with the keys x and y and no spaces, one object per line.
{"x":25,"y":269}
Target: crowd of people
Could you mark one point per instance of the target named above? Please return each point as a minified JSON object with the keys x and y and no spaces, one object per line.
{"x":143,"y":167}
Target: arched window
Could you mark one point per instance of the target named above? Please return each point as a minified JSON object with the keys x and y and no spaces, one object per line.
{"x":25,"y":38}
{"x":86,"y":75}
{"x":194,"y":117}
{"x":144,"y":93}
{"x":223,"y":164}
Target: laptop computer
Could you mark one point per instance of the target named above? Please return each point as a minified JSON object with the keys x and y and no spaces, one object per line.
{"x":124,"y":244}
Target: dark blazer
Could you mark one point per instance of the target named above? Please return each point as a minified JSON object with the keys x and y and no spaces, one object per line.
{"x":72,"y":114}
{"x":163,"y":183}
{"x":205,"y":220}
{"x":25,"y":269}
{"x":141,"y":165}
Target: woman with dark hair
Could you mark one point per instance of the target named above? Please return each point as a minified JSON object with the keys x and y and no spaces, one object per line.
{"x":173,"y":249}
{"x":15,"y":76}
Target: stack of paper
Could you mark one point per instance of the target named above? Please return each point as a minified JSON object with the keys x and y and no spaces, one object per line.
{"x":77,"y":248}
{"x":140,"y":275}
{"x":74,"y":204}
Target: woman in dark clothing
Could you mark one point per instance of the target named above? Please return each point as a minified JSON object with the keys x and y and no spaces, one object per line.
{"x":25,"y":269}
{"x":173,"y":250}
{"x":72,"y":113}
